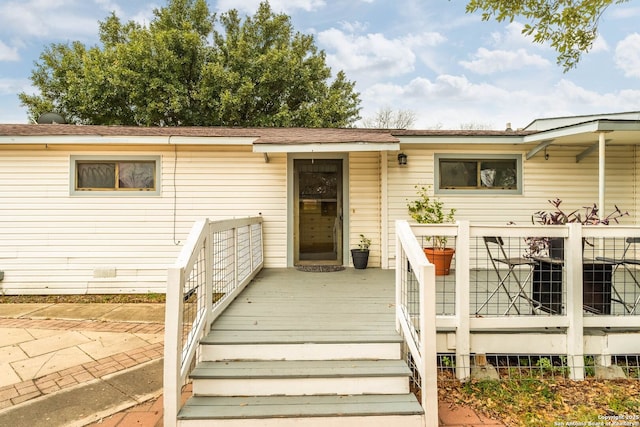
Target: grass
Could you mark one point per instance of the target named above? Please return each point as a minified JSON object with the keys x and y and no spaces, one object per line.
{"x":80,"y":299}
{"x":547,"y":401}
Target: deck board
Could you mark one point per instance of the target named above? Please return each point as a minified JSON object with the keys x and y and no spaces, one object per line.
{"x":287,"y":305}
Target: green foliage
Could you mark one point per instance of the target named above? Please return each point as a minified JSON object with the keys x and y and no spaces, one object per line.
{"x":430,"y":210}
{"x":190,"y":67}
{"x":570,"y":27}
{"x":364,"y":243}
{"x":448,"y":362}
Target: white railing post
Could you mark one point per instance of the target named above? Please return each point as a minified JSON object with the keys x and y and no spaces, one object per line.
{"x":575,"y":329}
{"x":462,"y":308}
{"x":172,"y":387}
{"x":428,"y":349}
{"x":399,"y":271}
{"x":236,"y":257}
{"x":208,"y":294}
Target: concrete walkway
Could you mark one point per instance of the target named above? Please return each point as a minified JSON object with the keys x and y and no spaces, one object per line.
{"x":73,"y":364}
{"x":98,"y":365}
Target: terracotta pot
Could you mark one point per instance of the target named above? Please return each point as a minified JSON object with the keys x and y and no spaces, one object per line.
{"x":441,"y":258}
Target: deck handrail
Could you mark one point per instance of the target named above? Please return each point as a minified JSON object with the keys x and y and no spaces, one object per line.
{"x":218,"y":260}
{"x":566,"y":332}
{"x":416,"y":315}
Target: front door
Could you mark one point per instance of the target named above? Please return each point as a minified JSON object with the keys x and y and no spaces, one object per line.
{"x":318,"y":211}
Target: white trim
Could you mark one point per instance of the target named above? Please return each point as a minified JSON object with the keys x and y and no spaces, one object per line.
{"x":330,"y":147}
{"x":384,"y":214}
{"x":461,"y":139}
{"x":124,"y":140}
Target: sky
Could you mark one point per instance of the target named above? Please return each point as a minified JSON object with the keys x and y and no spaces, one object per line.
{"x":449,"y":68}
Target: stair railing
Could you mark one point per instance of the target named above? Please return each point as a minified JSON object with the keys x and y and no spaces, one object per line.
{"x":218,"y":260}
{"x":416,"y":315}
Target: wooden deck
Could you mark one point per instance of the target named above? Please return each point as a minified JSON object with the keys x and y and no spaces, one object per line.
{"x":305,"y":349}
{"x":291,"y":306}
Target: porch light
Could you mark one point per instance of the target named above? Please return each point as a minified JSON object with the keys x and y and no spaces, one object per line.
{"x":402,"y":159}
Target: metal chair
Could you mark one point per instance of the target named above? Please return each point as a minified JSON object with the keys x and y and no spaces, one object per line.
{"x":498,"y":256}
{"x":626,"y":263}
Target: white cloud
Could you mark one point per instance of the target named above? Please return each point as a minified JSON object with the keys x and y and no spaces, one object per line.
{"x":599,"y":45}
{"x":624,"y":12}
{"x":354,"y":27}
{"x":492,"y":61}
{"x":373,"y":53}
{"x":110,"y":6}
{"x":61,"y":19}
{"x":286,"y":6}
{"x":12,"y":86}
{"x":371,"y":56}
{"x":627,"y":55}
{"x":8,"y":53}
{"x":451,"y":100}
{"x":512,"y":36}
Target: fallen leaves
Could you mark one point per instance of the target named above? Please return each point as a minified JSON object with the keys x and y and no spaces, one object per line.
{"x":542,"y":402}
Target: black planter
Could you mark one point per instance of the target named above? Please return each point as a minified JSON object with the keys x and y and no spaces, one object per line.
{"x":556,"y":248}
{"x":360,"y":258}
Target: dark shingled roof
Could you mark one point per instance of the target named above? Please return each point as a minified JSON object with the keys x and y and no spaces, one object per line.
{"x":262,"y":135}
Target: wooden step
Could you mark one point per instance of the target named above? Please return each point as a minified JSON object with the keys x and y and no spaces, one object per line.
{"x":300,"y":345}
{"x":300,"y":377}
{"x":303,"y":411}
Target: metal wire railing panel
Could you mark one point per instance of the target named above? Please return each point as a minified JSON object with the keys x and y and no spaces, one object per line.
{"x":217,"y":261}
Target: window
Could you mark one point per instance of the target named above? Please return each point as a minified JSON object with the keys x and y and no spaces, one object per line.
{"x":115,"y":175}
{"x":495,"y":174}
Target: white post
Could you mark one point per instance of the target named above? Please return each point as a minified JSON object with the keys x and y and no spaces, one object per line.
{"x":428,"y":345}
{"x":575,"y":330}
{"x":208,"y":292}
{"x":601,"y":174}
{"x":399,"y":272}
{"x":172,"y":346}
{"x":463,"y":334}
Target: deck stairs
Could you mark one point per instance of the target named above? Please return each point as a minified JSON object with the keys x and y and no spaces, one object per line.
{"x":312,"y":359}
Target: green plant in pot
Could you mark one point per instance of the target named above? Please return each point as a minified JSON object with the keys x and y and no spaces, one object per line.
{"x":360,"y":255}
{"x":426,"y":209}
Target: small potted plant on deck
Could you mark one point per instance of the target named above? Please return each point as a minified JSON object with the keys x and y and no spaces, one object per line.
{"x":430,"y":210}
{"x":361,"y":254}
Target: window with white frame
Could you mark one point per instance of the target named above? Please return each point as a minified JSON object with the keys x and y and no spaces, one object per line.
{"x":469,"y":173}
{"x":115,"y":174}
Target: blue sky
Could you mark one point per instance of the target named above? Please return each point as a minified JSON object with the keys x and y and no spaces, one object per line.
{"x":448,"y":67}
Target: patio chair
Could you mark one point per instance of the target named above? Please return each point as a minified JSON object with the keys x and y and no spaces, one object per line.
{"x":627,"y":264}
{"x":498,"y":256}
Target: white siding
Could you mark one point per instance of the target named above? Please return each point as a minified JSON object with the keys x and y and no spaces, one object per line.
{"x":93,"y":235}
{"x":559,"y":176}
{"x":365,"y":203}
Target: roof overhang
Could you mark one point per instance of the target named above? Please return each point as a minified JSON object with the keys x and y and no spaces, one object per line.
{"x":622,"y":132}
{"x":324,"y":147}
{"x":123,"y":140}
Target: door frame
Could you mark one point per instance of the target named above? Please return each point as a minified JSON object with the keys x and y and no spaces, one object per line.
{"x":291,"y":197}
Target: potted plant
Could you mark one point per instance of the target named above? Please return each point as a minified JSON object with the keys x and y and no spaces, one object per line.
{"x":547,"y":273}
{"x":361,"y":254}
{"x":554,"y":247}
{"x":430,"y":210}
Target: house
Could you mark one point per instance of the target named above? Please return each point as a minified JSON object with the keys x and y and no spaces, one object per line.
{"x":105,"y":209}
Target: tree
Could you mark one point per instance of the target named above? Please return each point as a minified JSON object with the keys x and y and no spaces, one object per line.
{"x":181,"y":70}
{"x":386,"y":118}
{"x":569,"y":26}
